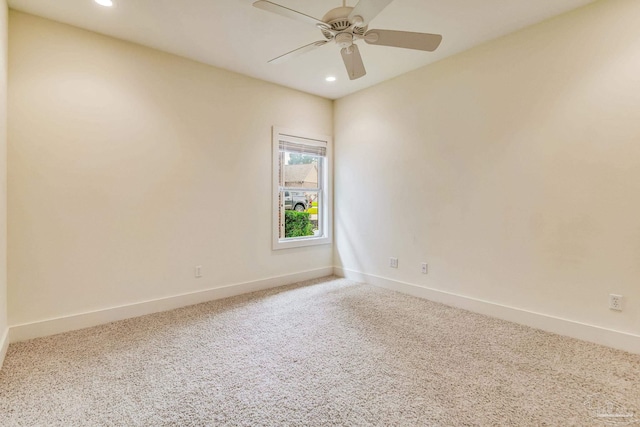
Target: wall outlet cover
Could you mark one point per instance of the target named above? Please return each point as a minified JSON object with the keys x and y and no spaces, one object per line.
{"x":615,"y":302}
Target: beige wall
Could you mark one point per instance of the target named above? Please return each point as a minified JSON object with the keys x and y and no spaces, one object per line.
{"x":128,"y":167}
{"x":3,"y":176}
{"x":513,"y":169}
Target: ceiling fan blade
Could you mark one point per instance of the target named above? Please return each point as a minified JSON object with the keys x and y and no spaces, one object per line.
{"x":289,"y":13}
{"x":298,"y":51}
{"x":368,"y":9}
{"x":405,"y":39}
{"x":353,"y":62}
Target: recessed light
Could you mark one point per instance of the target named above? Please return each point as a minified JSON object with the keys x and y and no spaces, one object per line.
{"x":106,"y":3}
{"x":330,"y":79}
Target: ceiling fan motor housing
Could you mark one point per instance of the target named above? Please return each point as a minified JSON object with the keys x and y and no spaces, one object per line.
{"x":338,"y":20}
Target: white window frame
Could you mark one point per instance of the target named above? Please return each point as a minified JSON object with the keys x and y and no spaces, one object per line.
{"x":326,"y":196}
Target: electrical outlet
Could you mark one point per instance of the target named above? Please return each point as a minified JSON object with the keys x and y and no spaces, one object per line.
{"x":615,"y":302}
{"x":393,"y":262}
{"x":425,"y":268}
{"x":198,"y":271}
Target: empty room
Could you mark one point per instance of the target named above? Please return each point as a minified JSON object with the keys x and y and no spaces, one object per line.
{"x":319,"y":213}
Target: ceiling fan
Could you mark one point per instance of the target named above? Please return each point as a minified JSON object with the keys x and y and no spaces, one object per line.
{"x":345,"y":25}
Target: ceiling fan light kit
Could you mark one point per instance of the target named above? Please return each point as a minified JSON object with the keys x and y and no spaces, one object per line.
{"x":345,"y":25}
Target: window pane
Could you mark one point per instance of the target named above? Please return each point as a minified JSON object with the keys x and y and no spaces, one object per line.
{"x":299,"y":214}
{"x":300,"y":170}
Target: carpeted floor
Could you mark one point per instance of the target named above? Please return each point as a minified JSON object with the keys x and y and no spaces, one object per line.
{"x":320,"y":353}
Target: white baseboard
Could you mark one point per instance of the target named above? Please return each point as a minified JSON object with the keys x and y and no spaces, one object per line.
{"x":4,"y":345}
{"x":72,"y":322}
{"x":596,"y":334}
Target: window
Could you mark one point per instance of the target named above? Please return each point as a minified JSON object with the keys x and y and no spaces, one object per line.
{"x":301,"y":189}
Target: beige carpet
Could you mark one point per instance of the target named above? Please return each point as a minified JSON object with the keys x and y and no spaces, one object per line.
{"x":326,"y":352}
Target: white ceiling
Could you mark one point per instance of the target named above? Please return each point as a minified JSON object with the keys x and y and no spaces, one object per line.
{"x":233,"y":35}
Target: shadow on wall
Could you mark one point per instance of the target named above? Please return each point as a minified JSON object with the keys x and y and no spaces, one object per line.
{"x":345,"y":240}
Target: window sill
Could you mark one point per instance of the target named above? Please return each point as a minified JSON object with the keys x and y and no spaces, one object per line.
{"x":300,"y":242}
